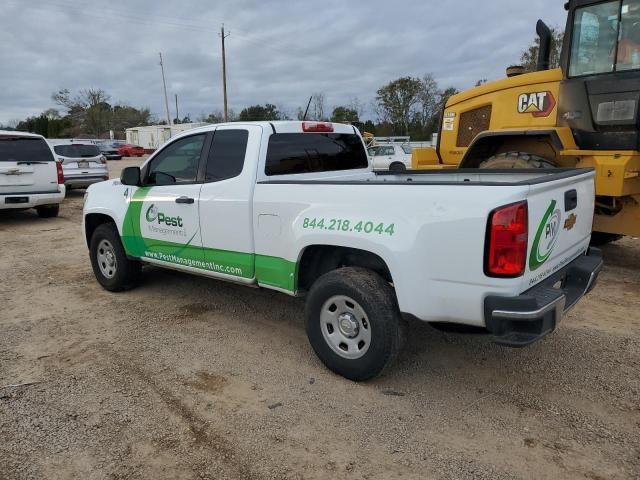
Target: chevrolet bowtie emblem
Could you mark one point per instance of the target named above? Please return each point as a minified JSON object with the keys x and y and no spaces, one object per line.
{"x":570,"y":221}
{"x":12,"y":171}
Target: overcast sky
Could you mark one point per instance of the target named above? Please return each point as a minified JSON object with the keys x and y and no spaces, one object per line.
{"x":278,"y":52}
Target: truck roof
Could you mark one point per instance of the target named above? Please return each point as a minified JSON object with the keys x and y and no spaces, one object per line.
{"x":280,"y":126}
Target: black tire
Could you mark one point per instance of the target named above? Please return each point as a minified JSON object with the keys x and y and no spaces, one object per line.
{"x":378,"y":301}
{"x":516,"y":160}
{"x":49,"y":211}
{"x":601,"y":238}
{"x":397,"y":167}
{"x":125,"y":273}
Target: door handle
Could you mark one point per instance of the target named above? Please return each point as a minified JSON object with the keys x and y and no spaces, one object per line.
{"x":188,"y":200}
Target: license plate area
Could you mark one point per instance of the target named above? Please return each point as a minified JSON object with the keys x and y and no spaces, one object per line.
{"x":16,"y":200}
{"x":83,"y":164}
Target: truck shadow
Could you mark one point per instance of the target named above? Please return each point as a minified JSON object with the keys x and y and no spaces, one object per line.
{"x":430,"y":357}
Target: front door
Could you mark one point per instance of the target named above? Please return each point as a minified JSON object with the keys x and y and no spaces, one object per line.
{"x":162,"y":224}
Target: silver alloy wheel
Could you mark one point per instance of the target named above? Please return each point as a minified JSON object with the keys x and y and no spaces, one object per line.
{"x":106,"y":257}
{"x":345,"y":327}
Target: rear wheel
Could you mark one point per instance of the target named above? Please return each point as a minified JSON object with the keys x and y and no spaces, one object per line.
{"x":49,"y":211}
{"x":113,"y":270}
{"x":516,"y":160}
{"x":353,"y":322}
{"x":397,"y":167}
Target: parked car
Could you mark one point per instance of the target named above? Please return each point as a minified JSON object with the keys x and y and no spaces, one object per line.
{"x":110,"y":150}
{"x":30,"y":177}
{"x":293,"y":207}
{"x":129,"y":150}
{"x":82,"y":162}
{"x":396,"y":158}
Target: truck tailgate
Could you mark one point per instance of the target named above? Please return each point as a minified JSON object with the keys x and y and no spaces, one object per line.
{"x":560,"y":222}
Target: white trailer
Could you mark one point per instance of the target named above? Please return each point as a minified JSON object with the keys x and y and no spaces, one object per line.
{"x":151,"y":137}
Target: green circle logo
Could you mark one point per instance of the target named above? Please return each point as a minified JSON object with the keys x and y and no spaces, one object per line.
{"x":546,"y":237}
{"x":152,"y":213}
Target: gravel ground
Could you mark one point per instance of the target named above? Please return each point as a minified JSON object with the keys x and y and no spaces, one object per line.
{"x":189,"y":378}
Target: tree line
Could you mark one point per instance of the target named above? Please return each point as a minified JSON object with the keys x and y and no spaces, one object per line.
{"x":405,"y":106}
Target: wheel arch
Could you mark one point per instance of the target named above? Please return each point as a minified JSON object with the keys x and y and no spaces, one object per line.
{"x":317,"y":259}
{"x":544,"y":143}
{"x":93,"y":221}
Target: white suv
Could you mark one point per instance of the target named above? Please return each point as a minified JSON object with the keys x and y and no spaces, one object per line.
{"x":83,"y":162}
{"x":29,"y":175}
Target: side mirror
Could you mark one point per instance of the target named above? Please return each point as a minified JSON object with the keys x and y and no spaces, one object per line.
{"x":130,"y":176}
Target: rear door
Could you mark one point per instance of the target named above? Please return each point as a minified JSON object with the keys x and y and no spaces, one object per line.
{"x":560,"y":222}
{"x":26,"y":165}
{"x":226,"y":201}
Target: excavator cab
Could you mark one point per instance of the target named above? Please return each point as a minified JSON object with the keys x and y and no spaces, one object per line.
{"x":600,"y":60}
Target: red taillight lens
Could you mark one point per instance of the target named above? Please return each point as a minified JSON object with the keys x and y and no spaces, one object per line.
{"x":60,"y":173}
{"x":506,"y":254}
{"x":317,"y":127}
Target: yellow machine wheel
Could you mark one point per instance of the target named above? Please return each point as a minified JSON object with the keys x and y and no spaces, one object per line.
{"x":516,"y":160}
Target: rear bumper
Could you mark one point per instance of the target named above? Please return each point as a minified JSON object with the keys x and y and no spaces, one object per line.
{"x":31,"y":200}
{"x":522,"y":320}
{"x":84,"y":181}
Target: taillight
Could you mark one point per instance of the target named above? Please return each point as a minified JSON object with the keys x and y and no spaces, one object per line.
{"x":317,"y":127}
{"x":60,"y":173}
{"x":507,"y":238}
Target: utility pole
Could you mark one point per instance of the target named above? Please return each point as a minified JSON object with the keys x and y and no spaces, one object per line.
{"x":166,"y":100}
{"x":224,"y":74}
{"x":177,"y":112}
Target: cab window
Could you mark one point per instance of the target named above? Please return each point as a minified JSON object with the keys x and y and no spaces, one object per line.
{"x":606,"y":38}
{"x":385,"y":151}
{"x":177,"y":163}
{"x":595,"y":32}
{"x":226,"y":155}
{"x":628,"y":56}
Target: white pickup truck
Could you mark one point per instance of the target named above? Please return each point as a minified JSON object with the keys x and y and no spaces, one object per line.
{"x":293,"y":206}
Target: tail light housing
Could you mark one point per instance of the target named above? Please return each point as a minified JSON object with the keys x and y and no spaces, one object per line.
{"x":317,"y":127}
{"x":60,"y":173}
{"x":507,"y":241}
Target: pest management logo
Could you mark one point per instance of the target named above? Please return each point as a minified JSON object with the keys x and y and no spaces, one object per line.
{"x":159,"y":222}
{"x":546,"y":237}
{"x":538,"y":104}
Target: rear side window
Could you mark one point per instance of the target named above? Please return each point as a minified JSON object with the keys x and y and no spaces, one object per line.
{"x":23,"y":149}
{"x":77,"y":151}
{"x":226,"y":156}
{"x":314,"y":152}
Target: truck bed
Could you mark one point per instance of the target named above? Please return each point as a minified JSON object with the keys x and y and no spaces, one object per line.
{"x":471,"y":176}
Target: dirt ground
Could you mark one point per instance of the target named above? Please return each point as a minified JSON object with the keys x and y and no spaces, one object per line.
{"x":190,"y":378}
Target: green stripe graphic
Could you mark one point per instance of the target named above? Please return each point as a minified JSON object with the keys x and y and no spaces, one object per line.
{"x":273,"y":271}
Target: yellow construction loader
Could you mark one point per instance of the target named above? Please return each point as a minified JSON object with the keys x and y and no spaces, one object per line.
{"x":583,"y":114}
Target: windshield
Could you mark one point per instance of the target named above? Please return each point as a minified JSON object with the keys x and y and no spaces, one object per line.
{"x":24,"y":149}
{"x":606,"y":38}
{"x":77,"y":151}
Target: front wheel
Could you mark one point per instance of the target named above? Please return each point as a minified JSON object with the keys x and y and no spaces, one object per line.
{"x":353,"y":322}
{"x":113,"y":270}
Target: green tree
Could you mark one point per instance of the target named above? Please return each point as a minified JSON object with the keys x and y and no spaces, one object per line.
{"x":529,"y":57}
{"x":343,"y":114}
{"x":397,"y":102}
{"x":260,"y":112}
